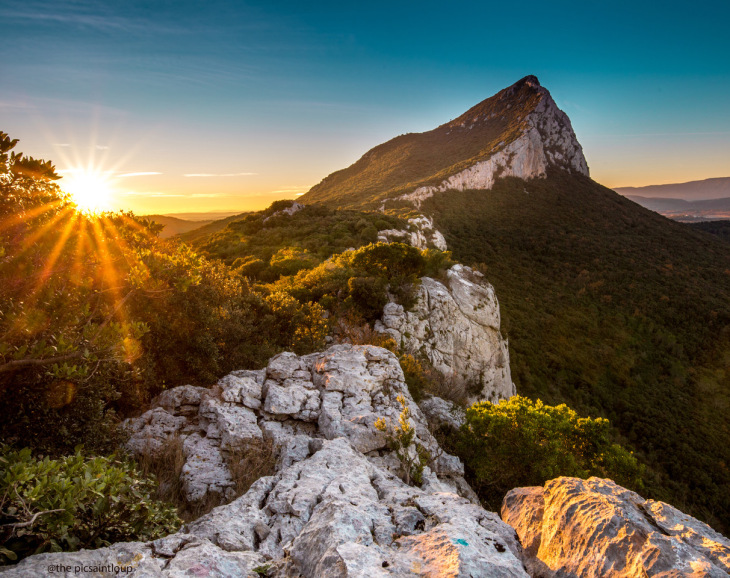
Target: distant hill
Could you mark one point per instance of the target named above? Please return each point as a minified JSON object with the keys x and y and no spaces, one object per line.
{"x":681,"y":209}
{"x":174,"y":226}
{"x":200,"y":232}
{"x":716,"y":188}
{"x":609,"y":307}
{"x":204,"y":216}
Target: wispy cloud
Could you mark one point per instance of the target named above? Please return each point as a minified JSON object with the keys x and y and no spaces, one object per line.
{"x":102,"y":147}
{"x":219,"y":174}
{"x":141,"y":174}
{"x":61,"y":144}
{"x":209,"y":195}
{"x":299,"y":190}
{"x":86,"y":15}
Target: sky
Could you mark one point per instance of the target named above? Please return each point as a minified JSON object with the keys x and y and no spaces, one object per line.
{"x":183,"y":106}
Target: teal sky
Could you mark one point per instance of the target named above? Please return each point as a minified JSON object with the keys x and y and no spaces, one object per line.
{"x":271,"y":97}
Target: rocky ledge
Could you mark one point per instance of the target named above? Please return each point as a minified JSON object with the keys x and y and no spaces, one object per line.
{"x":337,"y":504}
{"x":595,"y":528}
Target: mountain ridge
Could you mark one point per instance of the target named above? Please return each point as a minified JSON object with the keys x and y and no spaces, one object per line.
{"x":705,"y":189}
{"x":519,"y":131}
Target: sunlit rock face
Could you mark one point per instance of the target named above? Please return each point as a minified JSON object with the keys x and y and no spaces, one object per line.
{"x":595,"y":528}
{"x":336,"y":504}
{"x":547,"y":140}
{"x":455,"y":325}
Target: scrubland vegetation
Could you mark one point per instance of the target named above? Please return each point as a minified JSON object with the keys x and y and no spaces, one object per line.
{"x":98,"y":315}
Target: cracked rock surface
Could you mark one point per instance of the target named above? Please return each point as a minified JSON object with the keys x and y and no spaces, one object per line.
{"x":336,"y":505}
{"x":332,"y":514}
{"x":422,"y":234}
{"x":455,"y":325}
{"x":294,"y":402}
{"x":574,"y":528}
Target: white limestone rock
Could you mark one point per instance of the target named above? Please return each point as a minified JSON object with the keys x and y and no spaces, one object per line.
{"x":176,"y":556}
{"x":182,"y":400}
{"x":235,"y":425}
{"x":205,"y":470}
{"x":242,"y":389}
{"x":595,"y":528}
{"x":150,"y":432}
{"x":421,"y":234}
{"x":442,"y":412}
{"x":332,"y":512}
{"x":547,"y":140}
{"x":294,"y":402}
{"x":290,"y":210}
{"x":457,"y":328}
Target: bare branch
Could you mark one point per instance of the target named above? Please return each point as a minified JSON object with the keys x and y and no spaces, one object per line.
{"x":16,"y":364}
{"x":32,"y":520}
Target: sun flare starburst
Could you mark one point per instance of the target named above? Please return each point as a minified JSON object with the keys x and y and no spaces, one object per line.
{"x":91,"y":191}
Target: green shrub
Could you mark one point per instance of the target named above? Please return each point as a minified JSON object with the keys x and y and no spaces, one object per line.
{"x":418,"y":374}
{"x":369,"y":295}
{"x":75,"y":502}
{"x":520,"y":442}
{"x":401,"y":439}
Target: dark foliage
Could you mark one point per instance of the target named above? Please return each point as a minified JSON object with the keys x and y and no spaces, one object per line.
{"x":719,"y":228}
{"x":617,"y":312}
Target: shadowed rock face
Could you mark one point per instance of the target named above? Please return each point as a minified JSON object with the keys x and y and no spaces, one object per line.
{"x":336,"y":505}
{"x":591,"y":528}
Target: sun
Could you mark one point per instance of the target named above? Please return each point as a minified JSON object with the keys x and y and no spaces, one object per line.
{"x":90,"y":191}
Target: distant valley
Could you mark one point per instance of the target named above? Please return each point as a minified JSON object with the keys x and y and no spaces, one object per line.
{"x":704,"y":200}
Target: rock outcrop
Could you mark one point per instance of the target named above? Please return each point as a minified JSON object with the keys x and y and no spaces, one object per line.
{"x":336,"y":505}
{"x":422,"y":234}
{"x":338,"y":393}
{"x":456,"y":327}
{"x":290,"y":210}
{"x":591,"y":528}
{"x":547,"y":140}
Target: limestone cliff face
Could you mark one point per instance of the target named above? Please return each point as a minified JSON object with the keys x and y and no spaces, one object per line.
{"x":546,"y":139}
{"x":336,"y":505}
{"x":455,"y":325}
{"x":595,"y":528}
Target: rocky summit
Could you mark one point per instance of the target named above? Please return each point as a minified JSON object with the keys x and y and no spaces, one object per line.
{"x":519,"y":132}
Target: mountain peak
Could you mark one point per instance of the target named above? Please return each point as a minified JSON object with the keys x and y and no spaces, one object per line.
{"x":530,"y":80}
{"x":518,"y":132}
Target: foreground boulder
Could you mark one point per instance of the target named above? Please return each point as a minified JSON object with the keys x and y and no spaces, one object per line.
{"x":455,"y":325}
{"x":591,"y":528}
